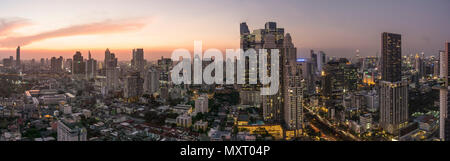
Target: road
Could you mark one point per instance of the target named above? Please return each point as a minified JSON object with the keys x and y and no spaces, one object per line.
{"x":327,"y":129}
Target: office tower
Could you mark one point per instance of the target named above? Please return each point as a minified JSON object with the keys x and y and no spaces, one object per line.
{"x":71,"y":131}
{"x":53,"y":65}
{"x":248,"y":95}
{"x":42,"y":62}
{"x":138,"y":61}
{"x":201,"y":104}
{"x":307,"y":74}
{"x":56,"y":64}
{"x":321,"y":61}
{"x":164,"y":66}
{"x":272,"y":105}
{"x":107,"y":58}
{"x":112,"y":80}
{"x":18,"y":57}
{"x":133,"y":86}
{"x":444,"y":112}
{"x":393,"y":105}
{"x":443,"y":65}
{"x":91,"y":67}
{"x":151,"y":81}
{"x":8,"y":62}
{"x":268,"y":38}
{"x":244,"y":29}
{"x":443,"y":93}
{"x":79,"y":66}
{"x":68,"y":64}
{"x":393,"y":91}
{"x":437,"y":66}
{"x":391,"y":57}
{"x":350,"y":77}
{"x":314,"y":62}
{"x":271,"y":37}
{"x":419,"y":65}
{"x":293,"y":87}
{"x":357,"y":58}
{"x":334,"y":78}
{"x":112,"y":72}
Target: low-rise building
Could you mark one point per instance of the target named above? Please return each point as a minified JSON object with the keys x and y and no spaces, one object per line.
{"x":184,"y":120}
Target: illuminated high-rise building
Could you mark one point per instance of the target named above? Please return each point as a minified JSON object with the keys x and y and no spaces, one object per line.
{"x":391,"y":57}
{"x":292,"y":87}
{"x":274,"y":107}
{"x":268,"y":38}
{"x":393,"y":91}
{"x":444,"y":94}
{"x":321,"y":61}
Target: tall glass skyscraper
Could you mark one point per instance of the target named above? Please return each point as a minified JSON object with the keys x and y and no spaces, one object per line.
{"x":391,"y":57}
{"x":393,"y":91}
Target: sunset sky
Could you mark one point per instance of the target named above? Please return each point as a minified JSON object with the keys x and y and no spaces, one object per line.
{"x":46,"y":28}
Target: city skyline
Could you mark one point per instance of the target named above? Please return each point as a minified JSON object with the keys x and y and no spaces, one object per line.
{"x":225,"y":71}
{"x":160,"y":27}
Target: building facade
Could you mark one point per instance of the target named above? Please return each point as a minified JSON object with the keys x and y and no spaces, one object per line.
{"x":393,"y":91}
{"x":70,"y":132}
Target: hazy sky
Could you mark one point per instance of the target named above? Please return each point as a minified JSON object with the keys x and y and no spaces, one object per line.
{"x":47,"y":28}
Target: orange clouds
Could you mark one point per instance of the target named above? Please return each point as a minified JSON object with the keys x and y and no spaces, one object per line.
{"x":104,"y":27}
{"x":7,"y":25}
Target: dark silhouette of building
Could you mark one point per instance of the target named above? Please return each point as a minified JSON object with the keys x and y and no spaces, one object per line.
{"x":18,"y":56}
{"x":391,"y":57}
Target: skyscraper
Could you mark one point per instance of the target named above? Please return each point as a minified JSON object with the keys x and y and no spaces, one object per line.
{"x":444,"y":94}
{"x":107,"y":58}
{"x":112,"y":73}
{"x":138,"y":61}
{"x":314,"y":62}
{"x":91,"y":67}
{"x":151,"y":81}
{"x":391,"y":57}
{"x":393,"y":105}
{"x":18,"y":57}
{"x":56,"y":64}
{"x":133,"y":86}
{"x":393,"y":91}
{"x":244,"y":29}
{"x":321,"y":61}
{"x":292,"y":88}
{"x":337,"y":75}
{"x":268,"y":38}
{"x":419,"y":65}
{"x":7,"y":62}
{"x":275,"y":108}
{"x":79,"y":66}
